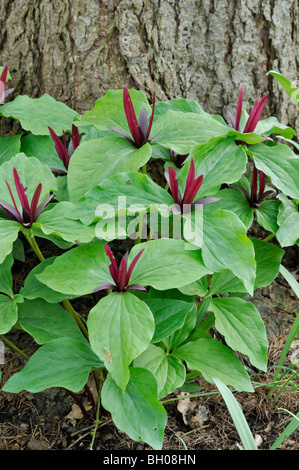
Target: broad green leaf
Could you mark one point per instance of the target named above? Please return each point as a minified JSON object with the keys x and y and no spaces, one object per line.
{"x":62,"y":362}
{"x":178,"y":104}
{"x":18,"y":251}
{"x":168,"y":370}
{"x":45,"y":322}
{"x":199,"y":288}
{"x":225,"y":244}
{"x":31,"y":172}
{"x":241,"y":325}
{"x":34,"y":289}
{"x":120,"y":328}
{"x":181,"y":131}
{"x":288,"y":86}
{"x":36,"y":114}
{"x":53,"y":221}
{"x":213,"y":359}
{"x":42,"y":147}
{"x":109,"y":111}
{"x":120,"y":193}
{"x":280,"y":164}
{"x":166,"y":264}
{"x":288,"y":221}
{"x":8,"y":313}
{"x":225,"y":281}
{"x":169,"y":315}
{"x":271,"y":125}
{"x":235,"y":201}
{"x":78,"y":271}
{"x":267,"y":213}
{"x":237,"y":416}
{"x":137,"y":411}
{"x":268,"y":258}
{"x":181,"y":335}
{"x":95,"y":160}
{"x":219,"y":161}
{"x":6,"y":276}
{"x":9,"y":147}
{"x":9,"y":231}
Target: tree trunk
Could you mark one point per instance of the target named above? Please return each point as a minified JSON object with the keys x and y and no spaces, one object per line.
{"x":75,"y":50}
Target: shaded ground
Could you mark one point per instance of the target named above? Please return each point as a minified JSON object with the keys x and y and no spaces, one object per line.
{"x":42,"y":421}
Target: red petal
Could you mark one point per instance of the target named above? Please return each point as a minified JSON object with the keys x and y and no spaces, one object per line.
{"x":239,"y":109}
{"x":60,"y":148}
{"x":174,"y":185}
{"x":113,"y":268}
{"x":255,"y":115}
{"x":121,"y":281}
{"x":131,"y":117}
{"x":21,"y":191}
{"x":152,"y":117}
{"x":132,"y":266}
{"x":3,"y":77}
{"x":75,"y":136}
{"x":34,"y":203}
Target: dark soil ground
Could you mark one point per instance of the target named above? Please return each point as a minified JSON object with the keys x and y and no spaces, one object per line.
{"x":42,"y":421}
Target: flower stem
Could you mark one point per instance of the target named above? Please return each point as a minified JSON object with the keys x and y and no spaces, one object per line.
{"x":269,"y":237}
{"x":14,"y":347}
{"x":32,"y":242}
{"x":143,"y":169}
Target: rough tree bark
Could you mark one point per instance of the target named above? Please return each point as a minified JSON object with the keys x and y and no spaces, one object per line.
{"x":204,"y":49}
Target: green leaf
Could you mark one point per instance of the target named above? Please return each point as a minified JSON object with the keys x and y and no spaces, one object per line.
{"x":288,"y":221}
{"x":95,"y":160}
{"x":169,"y":315}
{"x":9,"y":147}
{"x":62,"y":362}
{"x":36,"y":114}
{"x":42,"y":147}
{"x":31,"y":172}
{"x":213,"y":359}
{"x":225,"y":281}
{"x":225,"y":244}
{"x":241,"y":325}
{"x":8,"y":313}
{"x":237,"y":416}
{"x":289,"y":87}
{"x":109,"y":110}
{"x":9,"y":231}
{"x":137,"y":411}
{"x":181,"y":335}
{"x":199,"y":287}
{"x":45,"y":322}
{"x":53,"y":221}
{"x":120,"y":328}
{"x":250,"y":138}
{"x":235,"y":201}
{"x":219,"y":161}
{"x":120,"y":193}
{"x":169,"y":371}
{"x":268,"y":258}
{"x":34,"y":289}
{"x":280,"y":164}
{"x":78,"y":271}
{"x":181,"y":131}
{"x":6,"y":276}
{"x":167,"y":263}
{"x":266,"y":215}
{"x":271,"y":125}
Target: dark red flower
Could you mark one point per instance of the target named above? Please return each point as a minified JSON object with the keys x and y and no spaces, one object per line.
{"x":257,"y":193}
{"x":191,"y":189}
{"x":65,"y":152}
{"x":3,"y":79}
{"x":140,"y":129}
{"x":30,"y":212}
{"x":120,"y":274}
{"x":254,"y":116}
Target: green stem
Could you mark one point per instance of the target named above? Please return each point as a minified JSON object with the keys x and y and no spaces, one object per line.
{"x":97,"y":417}
{"x":32,"y":242}
{"x":143,"y":169}
{"x":14,"y":347}
{"x":269,"y":237}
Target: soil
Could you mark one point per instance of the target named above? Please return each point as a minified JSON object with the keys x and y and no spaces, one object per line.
{"x":51,"y":420}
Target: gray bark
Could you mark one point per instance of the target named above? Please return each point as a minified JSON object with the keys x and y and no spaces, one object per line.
{"x":75,"y":50}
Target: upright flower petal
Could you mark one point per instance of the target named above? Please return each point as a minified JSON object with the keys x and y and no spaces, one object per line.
{"x":239,"y":109}
{"x":132,"y":266}
{"x":121,"y":281}
{"x":113,"y":268}
{"x":142,"y":124}
{"x":60,"y":148}
{"x":131,"y":117}
{"x":253,"y":184}
{"x":151,"y":117}
{"x":262,"y":185}
{"x":255,"y":115}
{"x":21,"y":191}
{"x":192,"y":190}
{"x":174,"y":185}
{"x":75,"y":136}
{"x":13,"y":200}
{"x":34,"y":203}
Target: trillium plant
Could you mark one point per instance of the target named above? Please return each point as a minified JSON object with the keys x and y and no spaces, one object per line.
{"x":84,"y":186}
